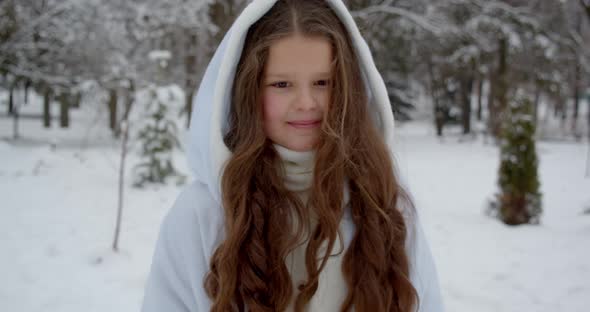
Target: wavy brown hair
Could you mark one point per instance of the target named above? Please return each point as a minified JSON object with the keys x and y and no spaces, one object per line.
{"x":248,"y":268}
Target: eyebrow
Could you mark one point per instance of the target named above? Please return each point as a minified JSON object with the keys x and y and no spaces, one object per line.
{"x":284,"y":75}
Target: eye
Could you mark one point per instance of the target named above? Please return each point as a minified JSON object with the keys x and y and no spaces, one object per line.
{"x":323,"y":83}
{"x":280,"y":84}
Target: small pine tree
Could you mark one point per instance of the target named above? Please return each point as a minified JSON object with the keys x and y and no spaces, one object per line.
{"x":158,"y":141}
{"x":519,"y":199}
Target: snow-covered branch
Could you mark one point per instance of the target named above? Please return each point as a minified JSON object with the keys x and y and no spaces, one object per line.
{"x":386,"y":8}
{"x":30,"y":27}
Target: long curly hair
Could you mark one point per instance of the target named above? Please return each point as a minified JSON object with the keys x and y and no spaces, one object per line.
{"x":248,"y":268}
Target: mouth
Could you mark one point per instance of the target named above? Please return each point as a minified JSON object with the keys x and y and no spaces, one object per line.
{"x":305,"y":124}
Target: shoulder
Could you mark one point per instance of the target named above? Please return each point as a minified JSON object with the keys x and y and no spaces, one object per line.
{"x":195,"y":218}
{"x":195,"y":195}
{"x":181,"y":258}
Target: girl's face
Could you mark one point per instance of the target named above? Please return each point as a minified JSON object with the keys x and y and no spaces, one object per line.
{"x":296,"y":90}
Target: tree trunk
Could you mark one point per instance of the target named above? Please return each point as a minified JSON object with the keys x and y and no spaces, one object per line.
{"x":222,"y":14}
{"x":576,"y":96}
{"x":479,"y":98}
{"x":563,"y":111}
{"x":189,"y":85}
{"x":11,"y":100}
{"x":466,"y":88}
{"x":129,"y":99}
{"x":491,"y":104}
{"x":27,"y":87}
{"x":439,"y":126}
{"x":188,"y":105}
{"x":120,"y":201}
{"x":500,"y":101}
{"x":112,"y":104}
{"x":15,"y":117}
{"x":47,"y":107}
{"x":64,"y":110}
{"x":438,"y":118}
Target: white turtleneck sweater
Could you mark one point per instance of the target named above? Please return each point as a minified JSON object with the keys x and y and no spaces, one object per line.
{"x":332,"y":288}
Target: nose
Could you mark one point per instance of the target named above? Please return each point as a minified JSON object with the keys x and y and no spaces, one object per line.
{"x":305,"y":100}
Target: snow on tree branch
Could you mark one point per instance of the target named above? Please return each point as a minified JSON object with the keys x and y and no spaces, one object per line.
{"x":386,"y":8}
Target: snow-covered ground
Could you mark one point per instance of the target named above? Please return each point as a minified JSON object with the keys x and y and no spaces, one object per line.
{"x":58,"y":199}
{"x":483,"y":264}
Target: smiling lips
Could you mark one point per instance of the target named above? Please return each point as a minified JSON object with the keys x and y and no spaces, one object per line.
{"x":305,"y":124}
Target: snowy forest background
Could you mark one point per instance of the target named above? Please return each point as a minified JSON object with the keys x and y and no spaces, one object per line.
{"x":493,"y":106}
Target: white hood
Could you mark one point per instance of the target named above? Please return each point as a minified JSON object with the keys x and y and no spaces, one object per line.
{"x":207,"y":153}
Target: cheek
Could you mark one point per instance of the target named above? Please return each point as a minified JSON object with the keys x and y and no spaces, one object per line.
{"x":274,"y":109}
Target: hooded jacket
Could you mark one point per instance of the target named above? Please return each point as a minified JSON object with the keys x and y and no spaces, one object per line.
{"x":193,"y":227}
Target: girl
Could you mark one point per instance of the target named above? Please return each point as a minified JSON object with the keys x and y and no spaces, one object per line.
{"x":296,"y":206}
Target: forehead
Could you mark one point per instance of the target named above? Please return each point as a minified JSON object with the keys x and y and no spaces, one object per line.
{"x":299,"y":55}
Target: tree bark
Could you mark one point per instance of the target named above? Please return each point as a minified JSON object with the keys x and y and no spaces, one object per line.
{"x":438,"y":117}
{"x":500,"y":89}
{"x":112,"y":105}
{"x":222,"y":14}
{"x":563,"y":111}
{"x":129,"y":99}
{"x":27,"y":87}
{"x":11,"y":100}
{"x":576,"y":96}
{"x":120,"y":202}
{"x":491,"y":105}
{"x":15,"y":116}
{"x":64,"y":110}
{"x":577,"y":82}
{"x":188,"y":106}
{"x":466,"y":88}
{"x":479,"y":98}
{"x":189,"y":86}
{"x":47,"y":107}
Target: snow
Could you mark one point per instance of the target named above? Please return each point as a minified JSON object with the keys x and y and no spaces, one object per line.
{"x":59,"y":188}
{"x":157,"y":55}
{"x":484,"y":265}
{"x":58,"y":217}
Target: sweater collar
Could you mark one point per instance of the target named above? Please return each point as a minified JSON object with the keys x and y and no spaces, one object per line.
{"x":298,"y":168}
